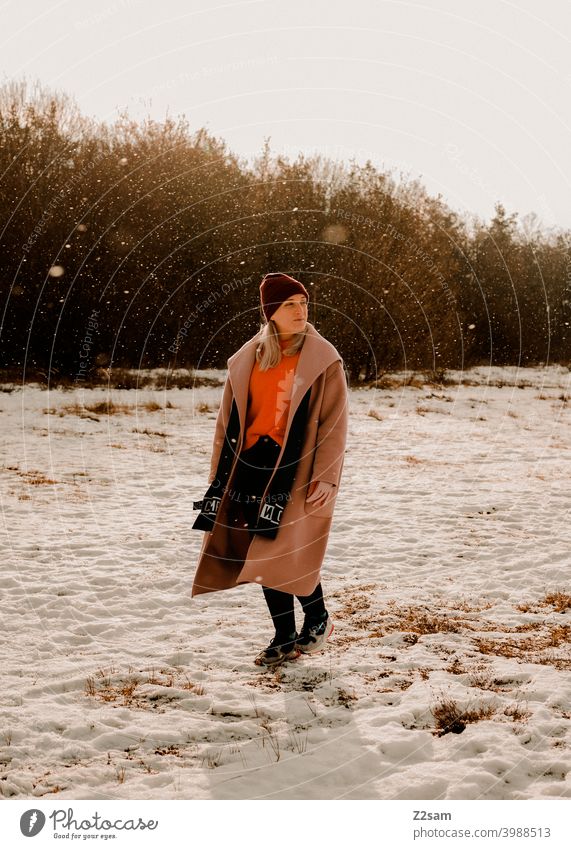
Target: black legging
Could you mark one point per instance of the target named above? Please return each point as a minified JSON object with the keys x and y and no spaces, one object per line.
{"x":254,"y":468}
{"x":282,"y":612}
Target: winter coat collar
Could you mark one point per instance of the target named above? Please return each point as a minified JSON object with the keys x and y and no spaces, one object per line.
{"x":316,"y":355}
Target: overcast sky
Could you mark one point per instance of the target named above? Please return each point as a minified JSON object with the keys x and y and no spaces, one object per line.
{"x":472,"y":97}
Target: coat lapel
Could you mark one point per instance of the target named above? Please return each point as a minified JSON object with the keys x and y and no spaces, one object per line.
{"x":315,"y":356}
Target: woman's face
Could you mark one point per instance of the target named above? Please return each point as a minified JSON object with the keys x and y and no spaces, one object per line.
{"x":291,"y":316}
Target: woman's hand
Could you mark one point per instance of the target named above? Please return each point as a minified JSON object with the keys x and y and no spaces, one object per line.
{"x":320,"y":492}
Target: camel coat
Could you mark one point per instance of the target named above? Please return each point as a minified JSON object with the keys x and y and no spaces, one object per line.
{"x":292,"y":561}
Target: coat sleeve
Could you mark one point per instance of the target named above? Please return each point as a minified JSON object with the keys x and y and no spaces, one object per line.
{"x":333,"y":425}
{"x":220,"y":427}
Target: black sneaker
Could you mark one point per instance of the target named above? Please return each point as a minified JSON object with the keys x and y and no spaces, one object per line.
{"x":279,"y":650}
{"x":315,"y":631}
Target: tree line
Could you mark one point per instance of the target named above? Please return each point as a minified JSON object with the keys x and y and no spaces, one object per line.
{"x":143,"y":244}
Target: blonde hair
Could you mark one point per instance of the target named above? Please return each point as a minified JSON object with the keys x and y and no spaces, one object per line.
{"x":268,"y":350}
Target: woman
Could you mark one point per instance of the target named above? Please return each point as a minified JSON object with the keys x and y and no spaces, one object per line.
{"x":276,"y":465}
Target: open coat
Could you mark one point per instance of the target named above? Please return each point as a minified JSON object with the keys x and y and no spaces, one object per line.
{"x":291,"y":561}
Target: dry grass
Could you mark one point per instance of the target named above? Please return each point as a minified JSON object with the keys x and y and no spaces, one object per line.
{"x":31,"y":477}
{"x":173,"y":749}
{"x":396,"y":684}
{"x":345,"y":698}
{"x":40,"y":784}
{"x":386,"y":382}
{"x":147,"y":432}
{"x":411,"y":620}
{"x":101,"y":408}
{"x":438,"y":377}
{"x":213,"y":758}
{"x":353,"y":589}
{"x":457,"y":667}
{"x":417,"y":620}
{"x":374,"y":414}
{"x":270,"y":736}
{"x":345,"y":641}
{"x":516,"y":712}
{"x":111,"y":378}
{"x":36,"y":478}
{"x":165,"y":678}
{"x":129,"y":692}
{"x":352,"y":604}
{"x":298,"y":743}
{"x":539,"y":642}
{"x":559,"y":601}
{"x":439,"y":397}
{"x":483,"y":680}
{"x":106,"y":408}
{"x":470,"y":607}
{"x":537,"y":648}
{"x":450,"y":718}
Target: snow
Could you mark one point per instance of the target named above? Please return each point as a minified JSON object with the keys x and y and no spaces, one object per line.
{"x":451,"y":534}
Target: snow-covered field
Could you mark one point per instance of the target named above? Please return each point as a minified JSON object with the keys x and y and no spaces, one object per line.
{"x":447,"y":575}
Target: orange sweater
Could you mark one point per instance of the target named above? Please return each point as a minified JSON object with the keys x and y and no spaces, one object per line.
{"x":269,"y":399}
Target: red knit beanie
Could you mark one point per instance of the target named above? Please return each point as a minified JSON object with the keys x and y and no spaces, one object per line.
{"x":276,"y":288}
